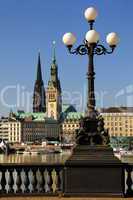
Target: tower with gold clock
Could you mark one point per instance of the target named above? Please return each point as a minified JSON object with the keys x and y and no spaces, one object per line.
{"x":53,"y":93}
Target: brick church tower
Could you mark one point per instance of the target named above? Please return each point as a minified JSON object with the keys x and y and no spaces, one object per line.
{"x":39,"y":102}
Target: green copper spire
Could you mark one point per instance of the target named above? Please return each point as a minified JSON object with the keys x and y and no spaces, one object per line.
{"x":39,"y":72}
{"x":54,"y":80}
{"x":54,"y":67}
{"x":54,"y":56}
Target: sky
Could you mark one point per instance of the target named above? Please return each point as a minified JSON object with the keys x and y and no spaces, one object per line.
{"x":30,"y":26}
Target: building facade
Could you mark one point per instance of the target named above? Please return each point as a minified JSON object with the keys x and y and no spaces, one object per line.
{"x":10,"y":130}
{"x":37,"y":127}
{"x":4,"y":129}
{"x":119,"y":121}
{"x":15,"y":131}
{"x":38,"y":131}
{"x":70,"y":122}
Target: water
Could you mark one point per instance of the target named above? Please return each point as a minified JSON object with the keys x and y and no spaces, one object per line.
{"x":45,"y":158}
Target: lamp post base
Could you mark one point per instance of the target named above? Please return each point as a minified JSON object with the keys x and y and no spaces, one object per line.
{"x":91,"y":131}
{"x":93,"y":171}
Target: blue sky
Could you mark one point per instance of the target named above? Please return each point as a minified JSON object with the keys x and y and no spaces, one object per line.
{"x":29,"y":26}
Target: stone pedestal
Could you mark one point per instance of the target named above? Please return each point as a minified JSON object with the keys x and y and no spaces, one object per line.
{"x":93,"y":171}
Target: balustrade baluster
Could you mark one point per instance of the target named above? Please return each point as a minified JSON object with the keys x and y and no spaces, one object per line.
{"x":42,"y":170}
{"x":58,"y":185}
{"x":50,"y":182}
{"x":10,"y":180}
{"x":46,"y":179}
{"x":3,"y":181}
{"x":34,"y":179}
{"x":129,"y":181}
{"x":54,"y":180}
{"x":41,"y":181}
{"x":26,"y":180}
{"x":18,"y":180}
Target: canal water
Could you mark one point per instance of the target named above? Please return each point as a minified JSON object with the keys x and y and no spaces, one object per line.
{"x":44,"y":158}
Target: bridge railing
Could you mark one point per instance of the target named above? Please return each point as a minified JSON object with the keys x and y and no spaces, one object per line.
{"x":44,"y":179}
{"x":30,"y":179}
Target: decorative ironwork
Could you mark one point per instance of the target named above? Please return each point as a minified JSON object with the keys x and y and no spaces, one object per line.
{"x":84,"y":49}
{"x":91,"y":131}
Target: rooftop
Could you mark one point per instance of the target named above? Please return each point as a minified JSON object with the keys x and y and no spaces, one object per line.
{"x":68,"y":108}
{"x":40,"y":116}
{"x":74,"y":115}
{"x":117,"y":110}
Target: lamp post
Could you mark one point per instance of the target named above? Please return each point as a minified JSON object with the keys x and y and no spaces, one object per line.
{"x":92,"y":169}
{"x":92,"y":126}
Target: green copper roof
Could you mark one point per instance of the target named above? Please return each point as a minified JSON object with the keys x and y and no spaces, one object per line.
{"x":68,"y":108}
{"x":36,"y":116}
{"x":70,"y":113}
{"x":65,"y":107}
{"x":74,"y":115}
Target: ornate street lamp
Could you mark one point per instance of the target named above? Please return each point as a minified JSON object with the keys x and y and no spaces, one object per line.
{"x":92,"y":169}
{"x":92,"y":125}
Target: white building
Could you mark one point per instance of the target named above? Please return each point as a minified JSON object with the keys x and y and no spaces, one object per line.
{"x":10,"y":130}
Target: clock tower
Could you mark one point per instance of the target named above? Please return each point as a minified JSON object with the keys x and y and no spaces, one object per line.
{"x":54,"y":99}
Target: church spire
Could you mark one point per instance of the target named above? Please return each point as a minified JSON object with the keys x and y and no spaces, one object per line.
{"x":54,"y":56}
{"x":39,"y":71}
{"x":39,"y":104}
{"x":54,"y":68}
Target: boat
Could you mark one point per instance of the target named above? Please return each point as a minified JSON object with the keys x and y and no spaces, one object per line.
{"x":58,"y":150}
{"x":26,"y":152}
{"x":67,"y":145}
{"x":122,"y":154}
{"x":46,"y":150}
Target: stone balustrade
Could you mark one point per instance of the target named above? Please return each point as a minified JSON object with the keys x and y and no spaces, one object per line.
{"x":30,"y":179}
{"x":44,"y":179}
